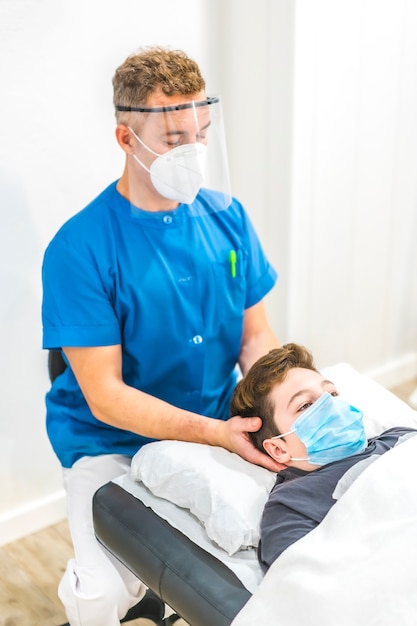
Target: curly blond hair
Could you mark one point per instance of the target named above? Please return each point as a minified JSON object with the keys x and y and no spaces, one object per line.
{"x":149,"y":69}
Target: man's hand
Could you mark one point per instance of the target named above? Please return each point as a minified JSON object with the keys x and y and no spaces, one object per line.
{"x":234,"y":437}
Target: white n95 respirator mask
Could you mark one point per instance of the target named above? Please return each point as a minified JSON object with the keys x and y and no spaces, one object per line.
{"x":177,"y":174}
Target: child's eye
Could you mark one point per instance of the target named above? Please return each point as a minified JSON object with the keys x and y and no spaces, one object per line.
{"x":334,"y":394}
{"x":304,"y":406}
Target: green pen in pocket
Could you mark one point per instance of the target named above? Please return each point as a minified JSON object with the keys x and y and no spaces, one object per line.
{"x":233,"y":262}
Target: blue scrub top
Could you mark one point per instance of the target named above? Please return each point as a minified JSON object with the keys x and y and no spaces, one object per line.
{"x":163,"y":286}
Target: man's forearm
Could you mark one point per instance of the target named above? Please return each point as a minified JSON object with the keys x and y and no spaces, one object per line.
{"x":255,"y":347}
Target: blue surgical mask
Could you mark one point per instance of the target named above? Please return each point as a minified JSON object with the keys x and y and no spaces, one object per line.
{"x":331,"y":429}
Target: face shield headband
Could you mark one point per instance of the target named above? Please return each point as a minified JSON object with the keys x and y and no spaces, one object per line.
{"x":172,"y":107}
{"x":183,"y":148}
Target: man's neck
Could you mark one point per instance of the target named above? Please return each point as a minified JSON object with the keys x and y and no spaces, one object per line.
{"x":142,"y":194}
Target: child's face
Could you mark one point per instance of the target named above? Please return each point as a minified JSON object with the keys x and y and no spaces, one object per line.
{"x":291,"y":398}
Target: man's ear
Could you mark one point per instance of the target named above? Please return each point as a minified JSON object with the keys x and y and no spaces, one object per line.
{"x":124,"y":138}
{"x":277,"y":449}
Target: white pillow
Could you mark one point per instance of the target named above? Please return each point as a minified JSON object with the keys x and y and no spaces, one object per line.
{"x":381,"y":408}
{"x":225,"y":492}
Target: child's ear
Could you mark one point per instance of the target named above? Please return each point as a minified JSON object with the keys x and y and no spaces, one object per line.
{"x":277,"y":449}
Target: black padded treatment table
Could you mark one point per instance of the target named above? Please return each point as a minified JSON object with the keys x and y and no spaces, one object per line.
{"x":195,"y":584}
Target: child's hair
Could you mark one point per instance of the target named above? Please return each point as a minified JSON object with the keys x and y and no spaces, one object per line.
{"x":251,"y":397}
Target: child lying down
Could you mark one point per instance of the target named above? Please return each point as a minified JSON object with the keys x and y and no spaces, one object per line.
{"x":317,"y":437}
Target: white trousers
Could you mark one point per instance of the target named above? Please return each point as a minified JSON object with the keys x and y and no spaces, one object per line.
{"x":96,"y":589}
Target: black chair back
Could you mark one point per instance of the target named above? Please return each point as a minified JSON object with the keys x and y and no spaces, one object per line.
{"x":56,"y":364}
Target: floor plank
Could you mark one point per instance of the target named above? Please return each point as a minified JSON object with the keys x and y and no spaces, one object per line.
{"x":30,"y":570}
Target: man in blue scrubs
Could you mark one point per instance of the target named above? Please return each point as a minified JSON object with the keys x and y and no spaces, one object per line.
{"x":154,"y":293}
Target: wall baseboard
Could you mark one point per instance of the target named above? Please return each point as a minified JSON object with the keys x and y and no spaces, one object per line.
{"x":395,"y":372}
{"x":32,"y":517}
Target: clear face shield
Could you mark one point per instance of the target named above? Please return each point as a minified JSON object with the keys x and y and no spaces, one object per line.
{"x":178,"y":150}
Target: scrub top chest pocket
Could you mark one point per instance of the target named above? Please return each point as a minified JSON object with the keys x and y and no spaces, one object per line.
{"x":230,"y":283}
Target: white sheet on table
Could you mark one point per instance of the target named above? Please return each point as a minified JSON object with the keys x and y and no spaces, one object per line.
{"x":359,"y":566}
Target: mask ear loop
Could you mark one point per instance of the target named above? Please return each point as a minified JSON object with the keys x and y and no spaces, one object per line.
{"x":146,"y":148}
{"x":292,"y":458}
{"x":283,"y":435}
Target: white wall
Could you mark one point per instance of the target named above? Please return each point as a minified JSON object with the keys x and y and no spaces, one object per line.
{"x":257,"y":40}
{"x":57,"y":151}
{"x":353,"y":256}
{"x":320,"y":100}
{"x":321,"y":97}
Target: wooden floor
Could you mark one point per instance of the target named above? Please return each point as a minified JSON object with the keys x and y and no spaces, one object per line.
{"x":30,"y":570}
